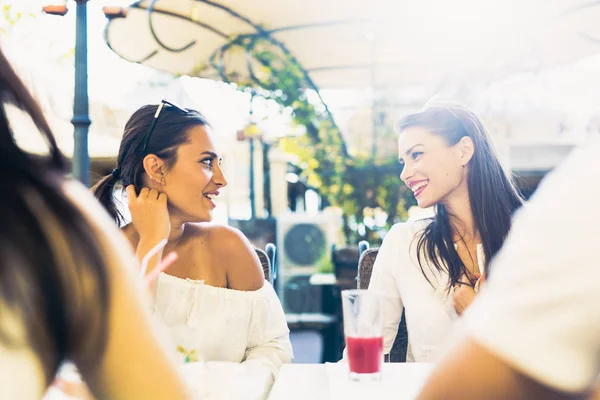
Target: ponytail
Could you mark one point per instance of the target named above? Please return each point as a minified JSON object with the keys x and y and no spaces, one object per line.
{"x":104,"y":192}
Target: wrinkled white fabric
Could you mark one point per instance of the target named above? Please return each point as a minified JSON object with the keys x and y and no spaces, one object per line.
{"x":208,"y":323}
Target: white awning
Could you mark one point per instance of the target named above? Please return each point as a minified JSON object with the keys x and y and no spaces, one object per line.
{"x":364,"y":43}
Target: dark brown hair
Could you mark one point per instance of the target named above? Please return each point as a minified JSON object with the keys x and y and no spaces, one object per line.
{"x":170,"y":132}
{"x":493,"y":196}
{"x":53,"y":279}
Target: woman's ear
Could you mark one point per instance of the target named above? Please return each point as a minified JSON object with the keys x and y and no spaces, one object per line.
{"x":466,"y":149}
{"x":154,"y":168}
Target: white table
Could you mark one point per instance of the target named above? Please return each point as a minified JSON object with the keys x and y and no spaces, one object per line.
{"x":212,"y":380}
{"x":330,"y":382}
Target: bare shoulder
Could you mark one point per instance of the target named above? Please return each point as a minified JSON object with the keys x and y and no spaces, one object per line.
{"x":232,"y":250}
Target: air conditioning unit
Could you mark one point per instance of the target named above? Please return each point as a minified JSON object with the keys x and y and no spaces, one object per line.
{"x":304,"y":243}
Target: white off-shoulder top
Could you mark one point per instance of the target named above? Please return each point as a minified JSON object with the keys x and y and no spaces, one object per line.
{"x":208,"y":323}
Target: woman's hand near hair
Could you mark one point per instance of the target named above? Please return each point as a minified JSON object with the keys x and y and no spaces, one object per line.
{"x":149,"y":213}
{"x":150,"y":218}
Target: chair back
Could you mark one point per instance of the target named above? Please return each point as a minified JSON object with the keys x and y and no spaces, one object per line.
{"x":365,"y":269}
{"x":362,"y":246}
{"x":265,"y":263}
{"x":271,"y":251}
{"x":345,"y":261}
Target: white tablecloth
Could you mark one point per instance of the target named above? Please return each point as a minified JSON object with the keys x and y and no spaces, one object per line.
{"x":330,"y":382}
{"x":222,"y":380}
{"x":213,"y":380}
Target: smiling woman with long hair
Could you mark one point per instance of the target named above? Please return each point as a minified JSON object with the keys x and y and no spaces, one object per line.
{"x":214,"y":300}
{"x":431,"y":269}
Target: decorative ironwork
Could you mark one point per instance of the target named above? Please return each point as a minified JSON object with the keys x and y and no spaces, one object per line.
{"x":579,"y":8}
{"x":156,"y":51}
{"x":352,"y":182}
{"x":250,"y":43}
{"x":157,"y":40}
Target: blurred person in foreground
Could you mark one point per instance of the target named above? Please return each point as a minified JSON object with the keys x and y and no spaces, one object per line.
{"x":68,"y":290}
{"x":534,"y":331}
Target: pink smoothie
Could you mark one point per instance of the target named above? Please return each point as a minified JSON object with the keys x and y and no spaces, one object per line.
{"x":364,"y":354}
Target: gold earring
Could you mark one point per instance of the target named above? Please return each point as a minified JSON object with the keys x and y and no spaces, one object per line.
{"x":155,"y":179}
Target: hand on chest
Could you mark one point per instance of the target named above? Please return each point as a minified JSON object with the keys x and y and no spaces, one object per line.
{"x":471,"y":255}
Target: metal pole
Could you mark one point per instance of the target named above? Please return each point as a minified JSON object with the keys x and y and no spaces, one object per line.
{"x":267,"y":178}
{"x":81,"y":120}
{"x":251,"y":139}
{"x":374,"y":101}
{"x":252,"y":195}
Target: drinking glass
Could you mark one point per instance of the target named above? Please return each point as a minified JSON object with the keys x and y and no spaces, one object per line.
{"x":363,"y":329}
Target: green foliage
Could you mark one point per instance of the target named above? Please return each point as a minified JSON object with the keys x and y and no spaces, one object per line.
{"x":359,"y":185}
{"x":13,"y":12}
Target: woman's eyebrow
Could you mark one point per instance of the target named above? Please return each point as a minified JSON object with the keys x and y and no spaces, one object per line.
{"x":411,"y":148}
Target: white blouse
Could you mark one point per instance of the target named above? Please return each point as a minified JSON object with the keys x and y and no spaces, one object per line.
{"x":208,"y":323}
{"x":398,"y":277}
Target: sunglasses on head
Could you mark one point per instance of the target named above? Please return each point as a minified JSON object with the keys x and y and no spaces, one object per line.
{"x":161,"y":105}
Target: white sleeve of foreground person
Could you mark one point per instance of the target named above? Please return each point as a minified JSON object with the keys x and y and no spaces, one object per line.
{"x":536,"y":324}
{"x":541,"y":310}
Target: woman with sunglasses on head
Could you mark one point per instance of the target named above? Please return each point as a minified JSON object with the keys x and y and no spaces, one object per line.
{"x":67,"y":287}
{"x":433,"y":268}
{"x":214,"y":299}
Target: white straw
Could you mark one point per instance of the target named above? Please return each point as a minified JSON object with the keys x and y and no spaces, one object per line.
{"x":164,"y":264}
{"x":149,"y":255}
